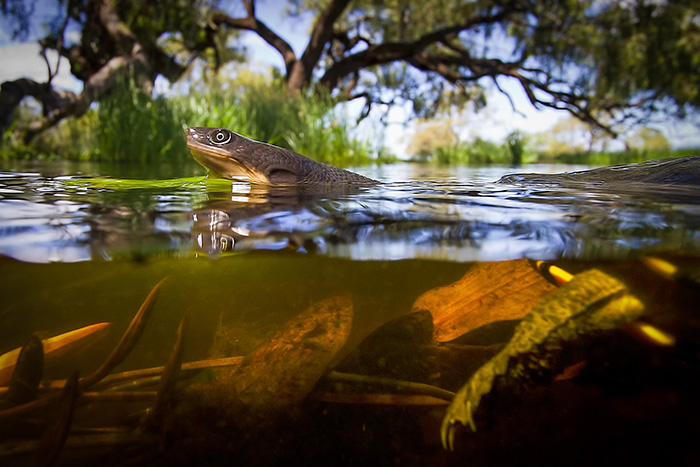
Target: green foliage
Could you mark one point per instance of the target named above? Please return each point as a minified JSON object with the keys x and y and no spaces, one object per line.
{"x":646,"y":138}
{"x":619,"y":60}
{"x":478,"y":152}
{"x":262,"y":109}
{"x":515,"y":142}
{"x":642,"y":52}
{"x":69,"y":140}
{"x":137,"y":184}
{"x":133,"y":126}
{"x":618,"y":157}
{"x":432,"y":134}
{"x":436,"y":142}
{"x":187,"y":17}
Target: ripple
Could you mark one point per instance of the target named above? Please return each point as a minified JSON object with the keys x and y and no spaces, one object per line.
{"x":64,"y":219}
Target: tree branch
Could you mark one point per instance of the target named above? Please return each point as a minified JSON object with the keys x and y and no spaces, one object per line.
{"x":561,"y":100}
{"x":322,"y":32}
{"x":251,"y":23}
{"x":124,"y":39}
{"x":396,"y":51}
{"x":58,"y":105}
{"x":96,"y":87}
{"x":321,"y":35}
{"x":12,"y":93}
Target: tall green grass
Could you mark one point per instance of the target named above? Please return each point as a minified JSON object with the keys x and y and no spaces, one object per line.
{"x":262,"y":109}
{"x":133,"y":127}
{"x":480,"y":152}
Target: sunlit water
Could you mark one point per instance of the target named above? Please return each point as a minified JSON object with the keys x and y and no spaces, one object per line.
{"x":241,"y":261}
{"x":458,"y":214}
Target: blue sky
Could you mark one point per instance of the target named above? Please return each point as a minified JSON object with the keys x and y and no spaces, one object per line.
{"x":493,"y":123}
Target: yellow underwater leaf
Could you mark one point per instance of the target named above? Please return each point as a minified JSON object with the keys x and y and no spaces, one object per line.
{"x":55,"y":347}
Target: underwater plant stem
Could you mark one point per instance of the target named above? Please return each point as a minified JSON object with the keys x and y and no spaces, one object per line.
{"x":128,"y":340}
{"x":401,"y":385}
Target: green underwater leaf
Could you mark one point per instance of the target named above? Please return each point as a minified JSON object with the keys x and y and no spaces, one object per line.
{"x":591,"y":301}
{"x":129,"y":184}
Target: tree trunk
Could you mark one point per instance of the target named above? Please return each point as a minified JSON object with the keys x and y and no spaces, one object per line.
{"x":301,"y":71}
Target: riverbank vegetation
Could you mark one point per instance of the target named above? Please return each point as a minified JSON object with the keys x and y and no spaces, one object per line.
{"x":132,"y":126}
{"x":569,"y":142}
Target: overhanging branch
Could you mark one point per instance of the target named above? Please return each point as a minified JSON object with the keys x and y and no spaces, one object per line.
{"x":379,"y":54}
{"x":251,"y":23}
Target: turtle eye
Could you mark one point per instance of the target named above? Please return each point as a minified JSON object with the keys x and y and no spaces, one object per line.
{"x":221,"y":136}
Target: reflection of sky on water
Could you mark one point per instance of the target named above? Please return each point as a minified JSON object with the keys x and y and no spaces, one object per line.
{"x":39,"y":232}
{"x":419,"y":212}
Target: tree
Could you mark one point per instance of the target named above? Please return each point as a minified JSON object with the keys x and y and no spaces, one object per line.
{"x":117,"y":40}
{"x":430,"y":135}
{"x":515,"y":142}
{"x":571,"y":135}
{"x":602,"y":61}
{"x":646,"y":138}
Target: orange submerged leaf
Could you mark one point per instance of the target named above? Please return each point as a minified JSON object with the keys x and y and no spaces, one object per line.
{"x":487,"y":293}
{"x":55,"y":347}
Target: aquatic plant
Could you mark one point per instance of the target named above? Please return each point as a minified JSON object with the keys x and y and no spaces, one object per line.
{"x":289,"y":387}
{"x":590,"y":302}
{"x":136,"y":127}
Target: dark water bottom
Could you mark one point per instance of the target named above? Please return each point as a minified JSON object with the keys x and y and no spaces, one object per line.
{"x":634,"y":402}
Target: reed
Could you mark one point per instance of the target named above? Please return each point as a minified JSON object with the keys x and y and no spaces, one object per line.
{"x":262,"y":109}
{"x":134,"y":127}
{"x":130,"y":126}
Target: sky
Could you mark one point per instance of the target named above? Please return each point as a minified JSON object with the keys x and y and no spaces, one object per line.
{"x":493,"y":123}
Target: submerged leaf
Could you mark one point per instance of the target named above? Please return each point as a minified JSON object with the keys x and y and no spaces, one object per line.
{"x":592,"y":301}
{"x":488,"y":292}
{"x":171,"y":373}
{"x":128,"y":340}
{"x":55,"y":347}
{"x":55,"y":435}
{"x":24,"y":383}
{"x":283,"y":371}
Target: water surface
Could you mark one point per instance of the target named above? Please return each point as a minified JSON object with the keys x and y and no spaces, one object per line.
{"x":456,"y":214}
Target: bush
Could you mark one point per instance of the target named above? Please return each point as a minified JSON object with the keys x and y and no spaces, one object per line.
{"x":479,"y":152}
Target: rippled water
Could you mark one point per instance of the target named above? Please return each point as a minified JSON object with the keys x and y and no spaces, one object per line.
{"x":458,"y":214}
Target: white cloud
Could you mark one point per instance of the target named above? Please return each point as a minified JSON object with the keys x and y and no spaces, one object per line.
{"x":4,"y":37}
